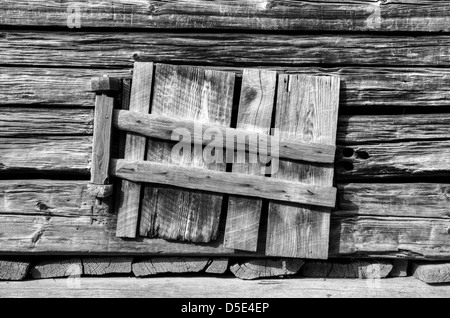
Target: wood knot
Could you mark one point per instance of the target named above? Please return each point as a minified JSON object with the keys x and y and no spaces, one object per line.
{"x":42,"y":206}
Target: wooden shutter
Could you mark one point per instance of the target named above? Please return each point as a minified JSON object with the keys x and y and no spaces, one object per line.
{"x":185,"y":198}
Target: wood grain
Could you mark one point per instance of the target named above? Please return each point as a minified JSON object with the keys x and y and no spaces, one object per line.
{"x":223,"y":182}
{"x":130,"y":192}
{"x":256,"y":105}
{"x":14,"y":268}
{"x":118,"y":49}
{"x":363,"y":269}
{"x":57,"y":267}
{"x":101,"y":144}
{"x":223,"y":287}
{"x":187,"y":93}
{"x":97,"y":266}
{"x":26,"y":122}
{"x":163,"y":127}
{"x":262,"y":268}
{"x":306,"y":110}
{"x":360,"y":86}
{"x":427,"y":16}
{"x":160,"y":265}
{"x":53,"y":154}
{"x":432,"y":273}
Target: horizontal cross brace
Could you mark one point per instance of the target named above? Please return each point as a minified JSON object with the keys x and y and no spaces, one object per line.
{"x":223,"y":182}
{"x":162,"y":127}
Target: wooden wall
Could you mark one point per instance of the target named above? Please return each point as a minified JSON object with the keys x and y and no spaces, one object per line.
{"x":393,"y":163}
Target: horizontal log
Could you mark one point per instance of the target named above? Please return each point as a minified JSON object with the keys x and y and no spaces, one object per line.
{"x":26,"y":121}
{"x":388,"y":160}
{"x":161,"y":265}
{"x":118,"y":49}
{"x":355,"y":129}
{"x":57,"y":267}
{"x":262,"y":268}
{"x":426,"y":16}
{"x":424,"y":237}
{"x":162,"y":127}
{"x":362,"y":129}
{"x":40,"y":86}
{"x":71,"y":154}
{"x":14,"y":268}
{"x":427,"y":200}
{"x":222,"y":287}
{"x":49,"y":197}
{"x":362,"y":236}
{"x":72,"y":228}
{"x":432,"y":273}
{"x":106,"y":265}
{"x":223,"y":182}
{"x":369,"y":86}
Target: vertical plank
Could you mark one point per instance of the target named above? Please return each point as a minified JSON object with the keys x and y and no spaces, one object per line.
{"x":255,"y":114}
{"x":306,"y":110}
{"x":128,"y":209}
{"x":188,"y":93}
{"x":101,"y":152}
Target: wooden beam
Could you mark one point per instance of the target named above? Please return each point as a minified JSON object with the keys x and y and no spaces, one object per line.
{"x":160,"y":265}
{"x":306,"y":110}
{"x":57,"y":216}
{"x":49,"y":154}
{"x":263,"y":268}
{"x":116,"y":49}
{"x":197,"y":94}
{"x":57,"y":267}
{"x":256,"y":105}
{"x":428,"y":16}
{"x":101,"y":147}
{"x":130,"y":193}
{"x":361,"y":86}
{"x":29,"y":122}
{"x":14,"y":268}
{"x":363,"y":269}
{"x":97,"y":266}
{"x":223,"y":182}
{"x":432,"y":273}
{"x":163,"y":127}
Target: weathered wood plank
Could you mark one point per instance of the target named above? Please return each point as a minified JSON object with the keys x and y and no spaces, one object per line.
{"x":57,"y":267}
{"x":426,"y":16}
{"x":355,"y":129}
{"x":387,"y":160}
{"x":256,"y":105}
{"x":70,"y":155}
{"x":118,"y":49}
{"x":371,"y":234}
{"x":362,"y":129}
{"x":40,"y":86}
{"x":25,"y":121}
{"x":186,"y":93}
{"x":217,"y":266}
{"x":349,"y":269}
{"x":432,"y":273}
{"x":130,"y":192}
{"x":101,"y":144}
{"x":223,"y":182}
{"x":400,"y":199}
{"x":362,"y":236}
{"x":48,"y":197}
{"x":160,"y":265}
{"x":49,"y":216}
{"x":261,"y":268}
{"x":163,"y":127}
{"x":97,"y":266}
{"x":14,"y":268}
{"x":306,"y":110}
{"x":222,"y":287}
{"x":360,"y":86}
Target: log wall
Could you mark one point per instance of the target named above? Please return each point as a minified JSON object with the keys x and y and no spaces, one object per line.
{"x":393,"y":160}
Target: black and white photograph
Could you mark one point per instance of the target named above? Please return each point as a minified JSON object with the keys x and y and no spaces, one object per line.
{"x":224,"y":154}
